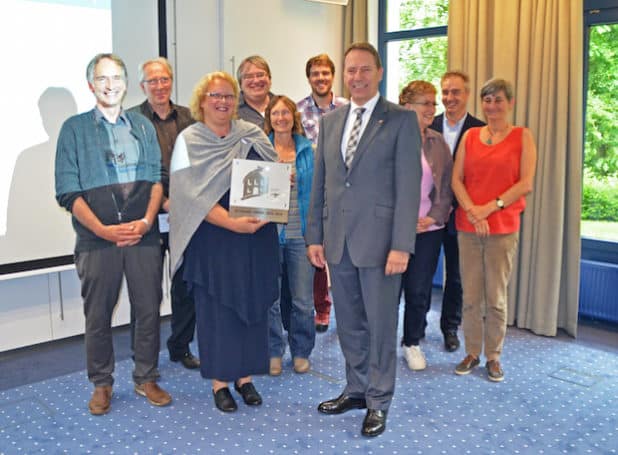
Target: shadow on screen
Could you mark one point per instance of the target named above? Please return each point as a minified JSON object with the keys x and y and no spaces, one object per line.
{"x":33,"y":216}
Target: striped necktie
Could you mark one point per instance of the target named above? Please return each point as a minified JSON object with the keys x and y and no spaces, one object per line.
{"x":354,"y":136}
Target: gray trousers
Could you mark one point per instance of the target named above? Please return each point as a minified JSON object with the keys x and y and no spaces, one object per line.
{"x":366,"y":308}
{"x":100,"y":272}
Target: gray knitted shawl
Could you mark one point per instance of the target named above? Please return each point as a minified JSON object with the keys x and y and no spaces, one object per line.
{"x":195,"y":190}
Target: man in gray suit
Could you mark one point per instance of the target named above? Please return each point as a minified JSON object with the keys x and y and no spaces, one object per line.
{"x":362,"y":221}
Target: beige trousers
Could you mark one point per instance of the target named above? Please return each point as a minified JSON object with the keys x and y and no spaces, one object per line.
{"x":486,"y":265}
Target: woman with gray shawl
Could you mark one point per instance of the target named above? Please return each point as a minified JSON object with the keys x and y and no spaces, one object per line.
{"x":231,"y":264}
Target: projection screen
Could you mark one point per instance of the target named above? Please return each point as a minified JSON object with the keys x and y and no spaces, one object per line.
{"x":46,"y":45}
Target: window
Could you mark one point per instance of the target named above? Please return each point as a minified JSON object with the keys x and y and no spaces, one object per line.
{"x":412,"y":42}
{"x":599,"y":225}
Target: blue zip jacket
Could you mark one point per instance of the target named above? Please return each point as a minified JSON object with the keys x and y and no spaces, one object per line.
{"x":304,"y":177}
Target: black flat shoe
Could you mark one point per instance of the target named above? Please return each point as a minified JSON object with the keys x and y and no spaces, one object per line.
{"x":249,"y":395}
{"x":224,"y":401}
{"x":451,"y":342}
{"x":374,"y":423}
{"x":341,"y":404}
{"x":188,"y":360}
{"x":321,"y":328}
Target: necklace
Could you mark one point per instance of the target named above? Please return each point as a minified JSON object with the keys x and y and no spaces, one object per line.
{"x":489,"y":140}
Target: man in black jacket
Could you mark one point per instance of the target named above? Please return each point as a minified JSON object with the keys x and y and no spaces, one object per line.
{"x":455,"y":121}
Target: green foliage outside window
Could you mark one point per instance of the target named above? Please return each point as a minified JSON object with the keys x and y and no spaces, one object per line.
{"x":422,"y":13}
{"x":601,"y":158}
{"x":421,"y":58}
{"x":600,"y":185}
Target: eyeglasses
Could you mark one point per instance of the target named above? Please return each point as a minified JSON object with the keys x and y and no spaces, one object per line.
{"x":221,"y":96}
{"x":251,"y":76}
{"x":426,"y":104}
{"x":159,"y":80}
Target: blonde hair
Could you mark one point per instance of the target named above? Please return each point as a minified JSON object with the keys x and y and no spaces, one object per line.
{"x":201,"y":88}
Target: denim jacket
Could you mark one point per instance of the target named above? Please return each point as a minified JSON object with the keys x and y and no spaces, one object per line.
{"x":304,"y":177}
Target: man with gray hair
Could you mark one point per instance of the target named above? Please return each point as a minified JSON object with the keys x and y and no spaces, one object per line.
{"x":453,"y":123}
{"x":169,"y":119}
{"x":108,"y":176}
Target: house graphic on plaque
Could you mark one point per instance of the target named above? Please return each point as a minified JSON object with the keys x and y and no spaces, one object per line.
{"x":255,"y":183}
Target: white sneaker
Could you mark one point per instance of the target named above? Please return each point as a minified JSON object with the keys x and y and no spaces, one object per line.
{"x":415,"y":357}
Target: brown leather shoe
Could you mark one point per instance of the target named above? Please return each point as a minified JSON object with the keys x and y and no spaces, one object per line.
{"x":301,"y":365}
{"x":100,"y":403}
{"x":275,"y":366}
{"x":153,"y":393}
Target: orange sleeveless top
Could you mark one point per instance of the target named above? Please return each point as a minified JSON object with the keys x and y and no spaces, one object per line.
{"x":489,"y":170}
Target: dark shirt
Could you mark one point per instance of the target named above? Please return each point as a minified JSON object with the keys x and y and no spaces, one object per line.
{"x":248,"y":113}
{"x":167,"y":131}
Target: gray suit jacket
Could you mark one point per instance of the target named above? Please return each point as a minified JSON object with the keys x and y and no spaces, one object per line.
{"x":373,"y":206}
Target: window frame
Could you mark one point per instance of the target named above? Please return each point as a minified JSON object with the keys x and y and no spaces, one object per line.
{"x":384,"y":37}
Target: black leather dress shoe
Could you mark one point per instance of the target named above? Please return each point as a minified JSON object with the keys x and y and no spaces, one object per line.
{"x":374,"y":423}
{"x":249,"y":395}
{"x":224,"y":401}
{"x":188,"y":360}
{"x":341,"y":404}
{"x":451,"y":342}
{"x":321,"y":328}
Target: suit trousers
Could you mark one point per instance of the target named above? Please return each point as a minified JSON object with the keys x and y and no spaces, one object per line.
{"x":450,"y":316}
{"x":183,"y":312}
{"x":100,"y":272}
{"x":486,"y":264}
{"x":366,"y":307}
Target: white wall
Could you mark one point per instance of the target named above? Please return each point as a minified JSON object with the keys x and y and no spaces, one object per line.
{"x":211,"y":35}
{"x":143,"y":32}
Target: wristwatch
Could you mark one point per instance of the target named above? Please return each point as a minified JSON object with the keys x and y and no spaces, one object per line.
{"x":499,"y":203}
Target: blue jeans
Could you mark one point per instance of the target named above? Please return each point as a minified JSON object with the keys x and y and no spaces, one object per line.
{"x":301,"y":331}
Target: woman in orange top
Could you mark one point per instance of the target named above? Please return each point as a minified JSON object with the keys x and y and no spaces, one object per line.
{"x":493,"y":171}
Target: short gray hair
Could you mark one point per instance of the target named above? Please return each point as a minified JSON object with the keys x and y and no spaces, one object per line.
{"x":97,"y":58}
{"x":141,"y":69}
{"x":496,"y":85}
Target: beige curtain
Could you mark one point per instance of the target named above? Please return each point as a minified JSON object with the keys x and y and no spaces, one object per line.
{"x":354,"y":28}
{"x":538,"y":45}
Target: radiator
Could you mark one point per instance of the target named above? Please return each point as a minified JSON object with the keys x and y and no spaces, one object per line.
{"x":598,"y":290}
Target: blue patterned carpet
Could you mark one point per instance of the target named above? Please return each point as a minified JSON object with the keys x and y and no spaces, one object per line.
{"x":558,"y":397}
